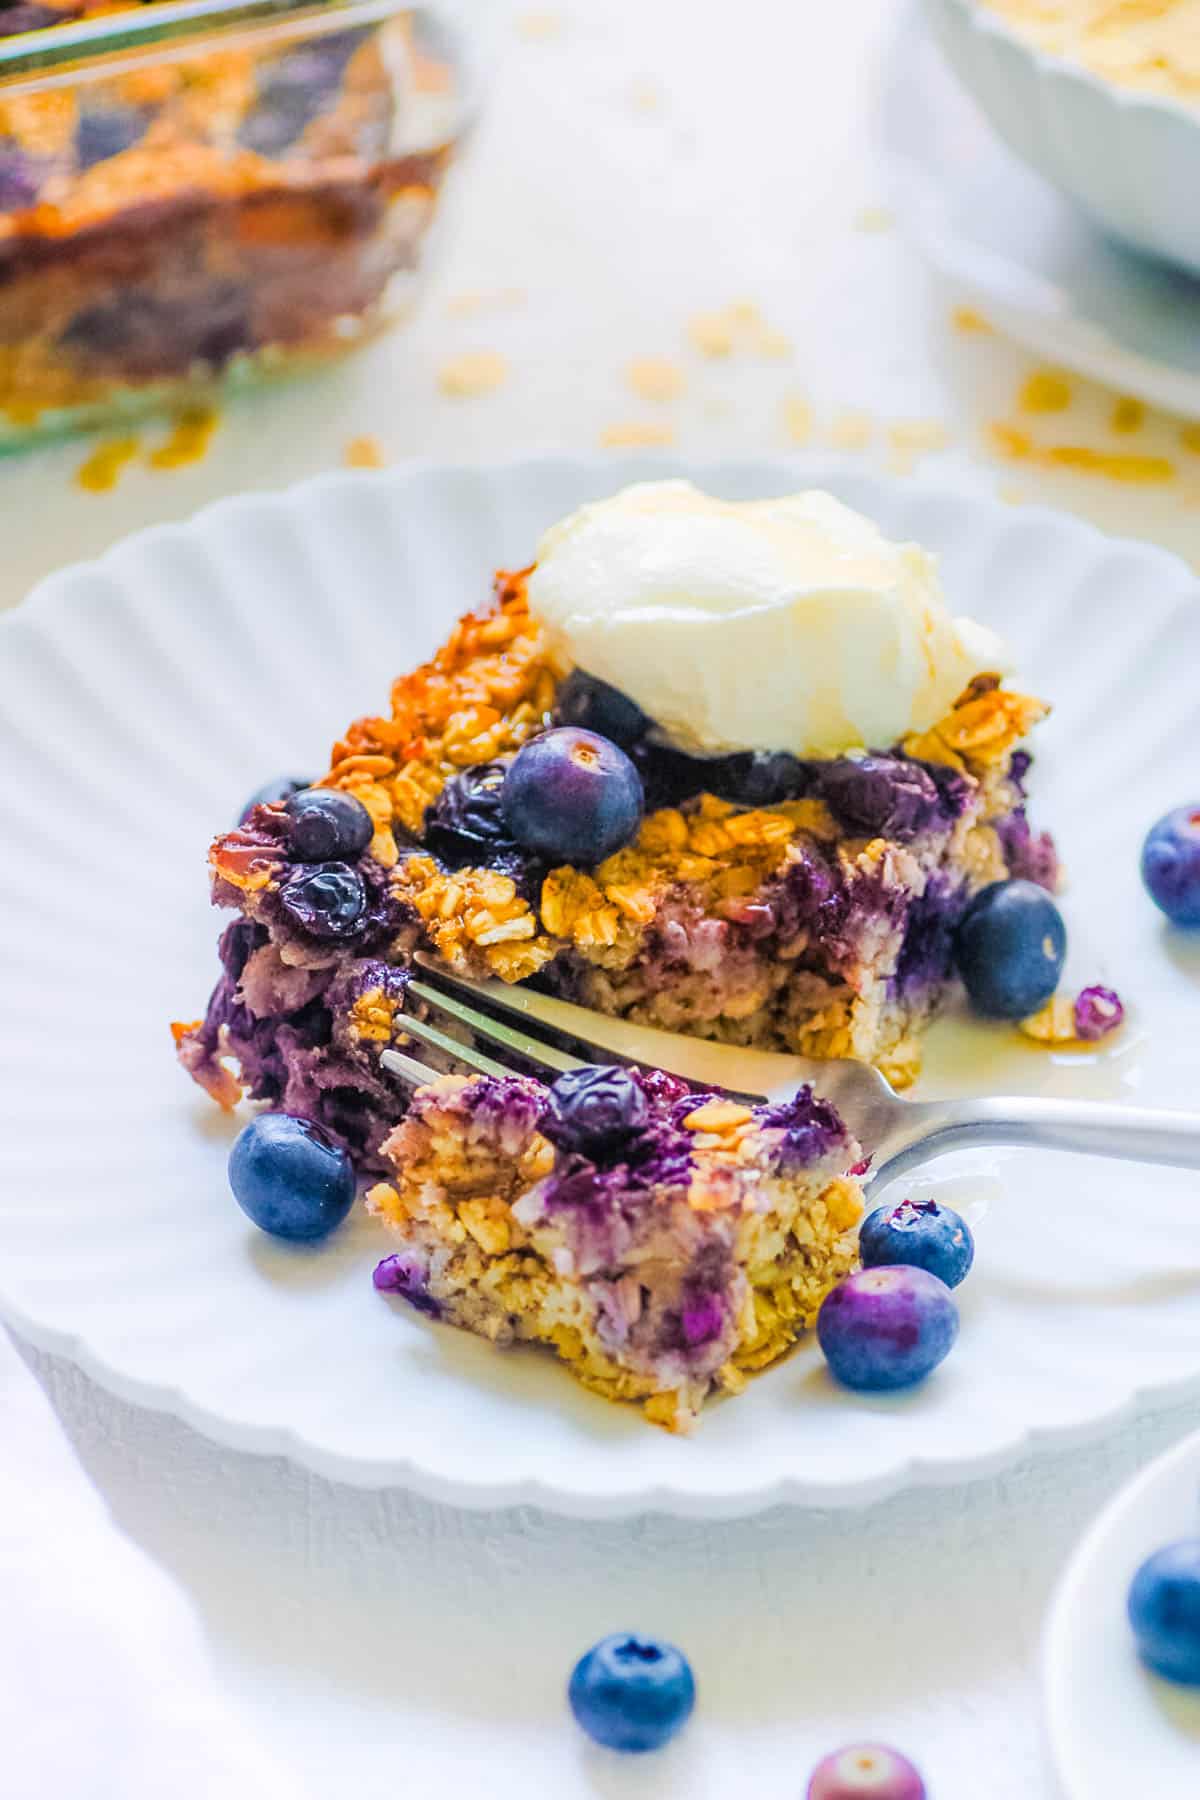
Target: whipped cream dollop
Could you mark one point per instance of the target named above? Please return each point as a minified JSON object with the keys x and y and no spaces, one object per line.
{"x":789,"y":624}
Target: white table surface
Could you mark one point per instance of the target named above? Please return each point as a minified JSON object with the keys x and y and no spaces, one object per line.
{"x":381,"y":1644}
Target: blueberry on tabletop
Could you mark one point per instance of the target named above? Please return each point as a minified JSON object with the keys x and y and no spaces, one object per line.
{"x":328,"y":901}
{"x":632,"y":1693}
{"x":572,"y":796}
{"x":1009,"y":948}
{"x":1171,"y":865}
{"x":887,"y":1328}
{"x":274,"y":793}
{"x":290,"y":1177}
{"x":1164,"y":1611}
{"x":596,"y":1111}
{"x":865,"y":1772}
{"x":587,"y":701}
{"x":326,"y":823}
{"x":919,"y":1234}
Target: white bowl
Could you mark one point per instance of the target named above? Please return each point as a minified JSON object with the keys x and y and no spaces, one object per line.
{"x":1131,"y":158}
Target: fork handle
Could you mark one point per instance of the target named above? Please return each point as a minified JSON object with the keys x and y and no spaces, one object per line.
{"x":1135,"y":1133}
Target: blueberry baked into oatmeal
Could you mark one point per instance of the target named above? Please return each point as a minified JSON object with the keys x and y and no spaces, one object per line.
{"x":240,"y":204}
{"x":728,"y":769}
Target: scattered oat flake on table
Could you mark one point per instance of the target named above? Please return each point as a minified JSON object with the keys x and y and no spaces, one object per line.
{"x":874,"y":218}
{"x":798,"y":419}
{"x":101,"y":471}
{"x":965,"y":318}
{"x":1082,"y":1018}
{"x":364,"y":452}
{"x":1116,"y":465}
{"x":1128,"y":414}
{"x":637,"y":434}
{"x":469,"y":305}
{"x":645,"y":97}
{"x":851,"y":430}
{"x":190,"y":437}
{"x":711,"y":333}
{"x":1189,"y":437}
{"x":538,"y":25}
{"x":474,"y":372}
{"x":1045,"y":391}
{"x":655,"y":377}
{"x":918,"y":435}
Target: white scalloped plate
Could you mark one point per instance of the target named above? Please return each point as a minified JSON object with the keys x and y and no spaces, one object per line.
{"x":142,"y":696}
{"x":1026,"y":255}
{"x":1114,"y":1728}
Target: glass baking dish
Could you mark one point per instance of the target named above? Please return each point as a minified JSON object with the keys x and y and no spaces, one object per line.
{"x":210,"y":191}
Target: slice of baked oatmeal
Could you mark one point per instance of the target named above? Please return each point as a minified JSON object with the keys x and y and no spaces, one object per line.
{"x":664,"y":1244}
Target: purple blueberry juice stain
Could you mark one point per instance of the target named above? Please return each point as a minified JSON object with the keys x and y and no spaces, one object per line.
{"x":812,"y":1128}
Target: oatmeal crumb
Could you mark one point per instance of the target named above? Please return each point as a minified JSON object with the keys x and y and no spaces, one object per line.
{"x":851,"y":430}
{"x":538,"y":25}
{"x":967,"y":319}
{"x":1045,"y":391}
{"x":655,"y":378}
{"x":188,"y":440}
{"x":100,"y":472}
{"x":474,"y":301}
{"x":798,"y":419}
{"x":637,"y":434}
{"x":474,"y":372}
{"x":1189,"y":437}
{"x":711,"y":333}
{"x":874,"y":218}
{"x":364,"y":452}
{"x":1128,"y":414}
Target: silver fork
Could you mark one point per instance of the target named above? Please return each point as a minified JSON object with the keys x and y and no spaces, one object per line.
{"x":895,"y":1133}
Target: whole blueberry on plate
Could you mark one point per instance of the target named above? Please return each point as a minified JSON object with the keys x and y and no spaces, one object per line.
{"x":328,"y":901}
{"x":887,"y":1328}
{"x":324,"y":823}
{"x":572,"y":796}
{"x":1164,"y":1611}
{"x":865,"y":1772}
{"x":290,"y":1177}
{"x":920,"y":1234}
{"x":587,"y":701}
{"x":1171,"y":865}
{"x":596,"y":1111}
{"x":273,"y":793}
{"x":632,"y":1693}
{"x":1009,"y":947}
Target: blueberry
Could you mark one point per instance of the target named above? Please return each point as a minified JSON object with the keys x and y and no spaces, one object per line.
{"x":466,"y":824}
{"x":587,"y":701}
{"x":865,"y":1772}
{"x":290,"y":1177}
{"x":882,"y":796}
{"x":572,"y":796}
{"x":1009,"y":948}
{"x":274,"y":793}
{"x":1098,"y":1010}
{"x":328,"y":902}
{"x":759,"y":778}
{"x":921,"y":1235}
{"x":597,"y":1111}
{"x":1164,"y":1611}
{"x":1171,"y":865}
{"x":887,"y":1328}
{"x":326,"y":823}
{"x":632,"y":1693}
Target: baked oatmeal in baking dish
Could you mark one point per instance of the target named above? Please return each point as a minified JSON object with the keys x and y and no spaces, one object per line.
{"x":178,"y":206}
{"x":727,"y":769}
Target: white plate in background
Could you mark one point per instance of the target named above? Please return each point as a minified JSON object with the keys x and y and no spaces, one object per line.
{"x":1010,"y":243}
{"x":143,"y":696}
{"x":1114,"y":1728}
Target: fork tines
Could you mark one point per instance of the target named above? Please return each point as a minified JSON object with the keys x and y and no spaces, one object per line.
{"x":519,"y":1045}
